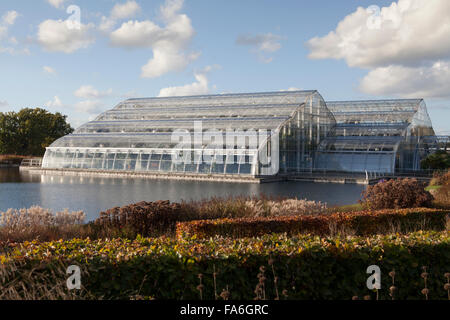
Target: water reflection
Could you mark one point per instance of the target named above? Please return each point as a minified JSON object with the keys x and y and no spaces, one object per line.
{"x":92,"y":194}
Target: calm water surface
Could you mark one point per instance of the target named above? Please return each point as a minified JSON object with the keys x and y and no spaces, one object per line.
{"x":92,"y":195}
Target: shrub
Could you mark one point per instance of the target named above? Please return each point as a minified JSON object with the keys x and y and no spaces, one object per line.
{"x":442,"y":195}
{"x":144,"y":218}
{"x":440,"y":178}
{"x":394,"y":194}
{"x":160,"y":217}
{"x":39,"y":223}
{"x":307,"y":267}
{"x":359,"y":223}
{"x":287,"y":207}
{"x":442,"y":192}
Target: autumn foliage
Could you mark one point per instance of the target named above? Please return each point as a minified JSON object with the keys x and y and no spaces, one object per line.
{"x":357,"y":223}
{"x":396,"y":194}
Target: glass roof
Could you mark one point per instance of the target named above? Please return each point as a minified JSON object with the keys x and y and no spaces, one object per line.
{"x":372,"y":111}
{"x":150,"y":122}
{"x":381,"y":117}
{"x":242,"y":99}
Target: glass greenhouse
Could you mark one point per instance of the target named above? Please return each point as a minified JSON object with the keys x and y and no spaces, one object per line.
{"x":383,"y":136}
{"x":254,"y":134}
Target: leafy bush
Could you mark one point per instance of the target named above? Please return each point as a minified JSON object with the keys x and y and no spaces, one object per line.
{"x":359,"y":223}
{"x":398,"y":193}
{"x":306,"y":267}
{"x":39,"y":223}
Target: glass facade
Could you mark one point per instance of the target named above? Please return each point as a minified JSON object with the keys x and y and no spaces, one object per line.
{"x":251,"y":134}
{"x":384,"y":136}
{"x":231,"y":134}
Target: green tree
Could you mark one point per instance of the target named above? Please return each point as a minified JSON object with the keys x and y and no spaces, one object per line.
{"x":30,"y":131}
{"x":439,"y":160}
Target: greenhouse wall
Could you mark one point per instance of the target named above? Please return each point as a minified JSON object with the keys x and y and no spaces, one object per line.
{"x":230,"y":134}
{"x":250,"y":134}
{"x":382,"y":136}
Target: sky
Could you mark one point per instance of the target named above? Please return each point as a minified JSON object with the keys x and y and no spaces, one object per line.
{"x":83,"y":57}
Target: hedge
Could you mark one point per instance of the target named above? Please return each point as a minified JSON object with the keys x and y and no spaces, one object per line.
{"x":357,"y":223}
{"x":307,"y":267}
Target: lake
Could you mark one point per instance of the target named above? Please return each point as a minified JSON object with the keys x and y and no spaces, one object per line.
{"x":93,"y":195}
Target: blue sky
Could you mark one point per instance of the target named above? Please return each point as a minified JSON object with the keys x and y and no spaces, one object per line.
{"x":345,"y":49}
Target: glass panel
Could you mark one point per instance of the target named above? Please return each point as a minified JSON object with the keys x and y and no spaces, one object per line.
{"x":204,"y":168}
{"x":166,"y":166}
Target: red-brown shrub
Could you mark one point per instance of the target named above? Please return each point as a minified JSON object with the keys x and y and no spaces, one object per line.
{"x":395,"y":194}
{"x":144,"y":218}
{"x":359,"y":223}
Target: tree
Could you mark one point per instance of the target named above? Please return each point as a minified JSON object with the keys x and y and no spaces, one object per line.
{"x":30,"y":131}
{"x":440,"y":160}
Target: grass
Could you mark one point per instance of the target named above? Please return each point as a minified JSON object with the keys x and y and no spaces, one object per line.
{"x":346,"y":208}
{"x":429,"y":188}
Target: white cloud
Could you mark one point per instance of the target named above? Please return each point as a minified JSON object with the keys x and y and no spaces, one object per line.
{"x":405,"y":47}
{"x":57,"y":36}
{"x":89,"y":92}
{"x":90,"y":106}
{"x":55,"y":103}
{"x":137,"y":34}
{"x":199,"y":87}
{"x":168,"y":42}
{"x":6,"y":21}
{"x":56,"y":3}
{"x":10,"y":17}
{"x":261,"y":44}
{"x":196,"y":88}
{"x":409,"y":32}
{"x":49,"y":70}
{"x":3,"y":103}
{"x":126,"y":10}
{"x":291,"y":89}
{"x":166,"y":59}
{"x":409,"y":82}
